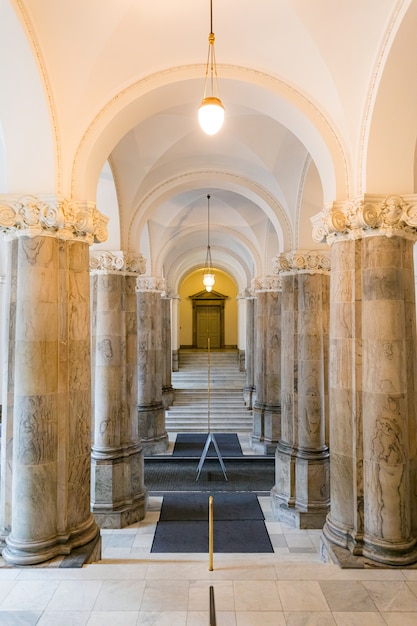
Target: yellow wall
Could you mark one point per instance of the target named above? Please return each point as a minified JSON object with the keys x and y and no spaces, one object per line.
{"x":191,"y":285}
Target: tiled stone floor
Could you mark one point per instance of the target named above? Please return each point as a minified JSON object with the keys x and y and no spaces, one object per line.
{"x":130,"y":586}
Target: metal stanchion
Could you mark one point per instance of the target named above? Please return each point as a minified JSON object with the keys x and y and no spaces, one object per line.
{"x":210,"y":437}
{"x":212,"y":608}
{"x":211,"y":536}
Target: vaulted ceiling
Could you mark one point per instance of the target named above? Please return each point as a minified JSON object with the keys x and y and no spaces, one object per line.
{"x":102,"y":97}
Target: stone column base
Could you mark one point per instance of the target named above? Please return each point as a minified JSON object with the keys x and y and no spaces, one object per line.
{"x":248,"y":396}
{"x":404,"y":556}
{"x":156,"y":445}
{"x":123,"y":516}
{"x":330,"y":553}
{"x":297,"y":518}
{"x":263,"y":446}
{"x":167,"y":396}
{"x":152,"y":430}
{"x":85,"y":539}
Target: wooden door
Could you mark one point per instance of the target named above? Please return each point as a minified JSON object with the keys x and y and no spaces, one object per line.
{"x":208,"y":325}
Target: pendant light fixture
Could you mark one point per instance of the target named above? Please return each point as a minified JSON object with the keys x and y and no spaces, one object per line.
{"x":208,"y":276}
{"x":211,"y":111}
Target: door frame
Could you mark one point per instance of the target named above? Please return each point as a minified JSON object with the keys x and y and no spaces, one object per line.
{"x":206,"y":298}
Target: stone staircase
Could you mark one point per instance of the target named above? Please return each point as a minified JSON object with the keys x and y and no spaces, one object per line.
{"x":189,"y":412}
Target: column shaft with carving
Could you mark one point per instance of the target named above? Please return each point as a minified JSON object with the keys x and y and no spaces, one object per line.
{"x":373,"y":511}
{"x":301,"y":494}
{"x":50,"y":387}
{"x":9,"y":329}
{"x":267,"y":407}
{"x":151,"y":412}
{"x":118,"y":495}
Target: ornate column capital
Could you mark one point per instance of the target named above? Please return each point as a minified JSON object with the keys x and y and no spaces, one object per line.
{"x":107,"y":262}
{"x":266,"y":283}
{"x":51,"y":216}
{"x":246,"y":294}
{"x":302,"y":262}
{"x":151,"y":284}
{"x":367,"y":216}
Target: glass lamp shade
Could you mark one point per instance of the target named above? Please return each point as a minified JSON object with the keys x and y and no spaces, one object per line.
{"x":211,"y":115}
{"x":208,"y":281}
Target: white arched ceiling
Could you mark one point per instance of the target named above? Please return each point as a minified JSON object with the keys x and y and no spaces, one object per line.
{"x":123,"y":81}
{"x":238,"y":230}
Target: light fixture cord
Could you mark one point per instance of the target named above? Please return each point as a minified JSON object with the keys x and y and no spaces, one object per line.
{"x":211,"y":61}
{"x":208,"y":260}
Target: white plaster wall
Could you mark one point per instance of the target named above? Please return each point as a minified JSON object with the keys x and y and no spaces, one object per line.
{"x":107,"y":204}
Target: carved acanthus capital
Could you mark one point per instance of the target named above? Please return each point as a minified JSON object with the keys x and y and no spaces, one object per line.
{"x":104,"y":261}
{"x":367,"y":216}
{"x":266,"y":283}
{"x":151,"y":284}
{"x":306,"y":261}
{"x":245,"y":294}
{"x":30,"y":216}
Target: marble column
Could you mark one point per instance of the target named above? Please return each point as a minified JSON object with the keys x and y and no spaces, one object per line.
{"x":267,"y":407}
{"x":49,"y":387}
{"x":302,"y":491}
{"x":9,"y":339}
{"x":118,"y":494}
{"x":372,"y":390}
{"x":2,"y":336}
{"x":167,"y":388}
{"x":249,"y":388}
{"x":151,"y":412}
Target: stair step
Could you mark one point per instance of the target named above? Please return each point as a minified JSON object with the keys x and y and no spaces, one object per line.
{"x":189,"y":411}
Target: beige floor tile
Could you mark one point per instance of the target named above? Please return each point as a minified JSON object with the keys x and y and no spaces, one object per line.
{"x":64,"y":618}
{"x":29,"y":595}
{"x":349,"y":596}
{"x":391,"y":595}
{"x":400,"y":619}
{"x":201,"y":618}
{"x":358,"y":619}
{"x":120,"y":595}
{"x":255,"y":595}
{"x":143,"y":540}
{"x":309,"y":619}
{"x":308,"y":571}
{"x":302,"y":596}
{"x":199,"y":598}
{"x":162,"y":618}
{"x":260,"y":618}
{"x":161,"y":595}
{"x":70,"y":595}
{"x":111,"y":618}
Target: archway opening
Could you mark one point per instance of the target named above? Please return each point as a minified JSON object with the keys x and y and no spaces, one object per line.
{"x":196,"y":310}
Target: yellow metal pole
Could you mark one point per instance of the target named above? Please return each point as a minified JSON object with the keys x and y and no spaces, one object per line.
{"x":211,"y":538}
